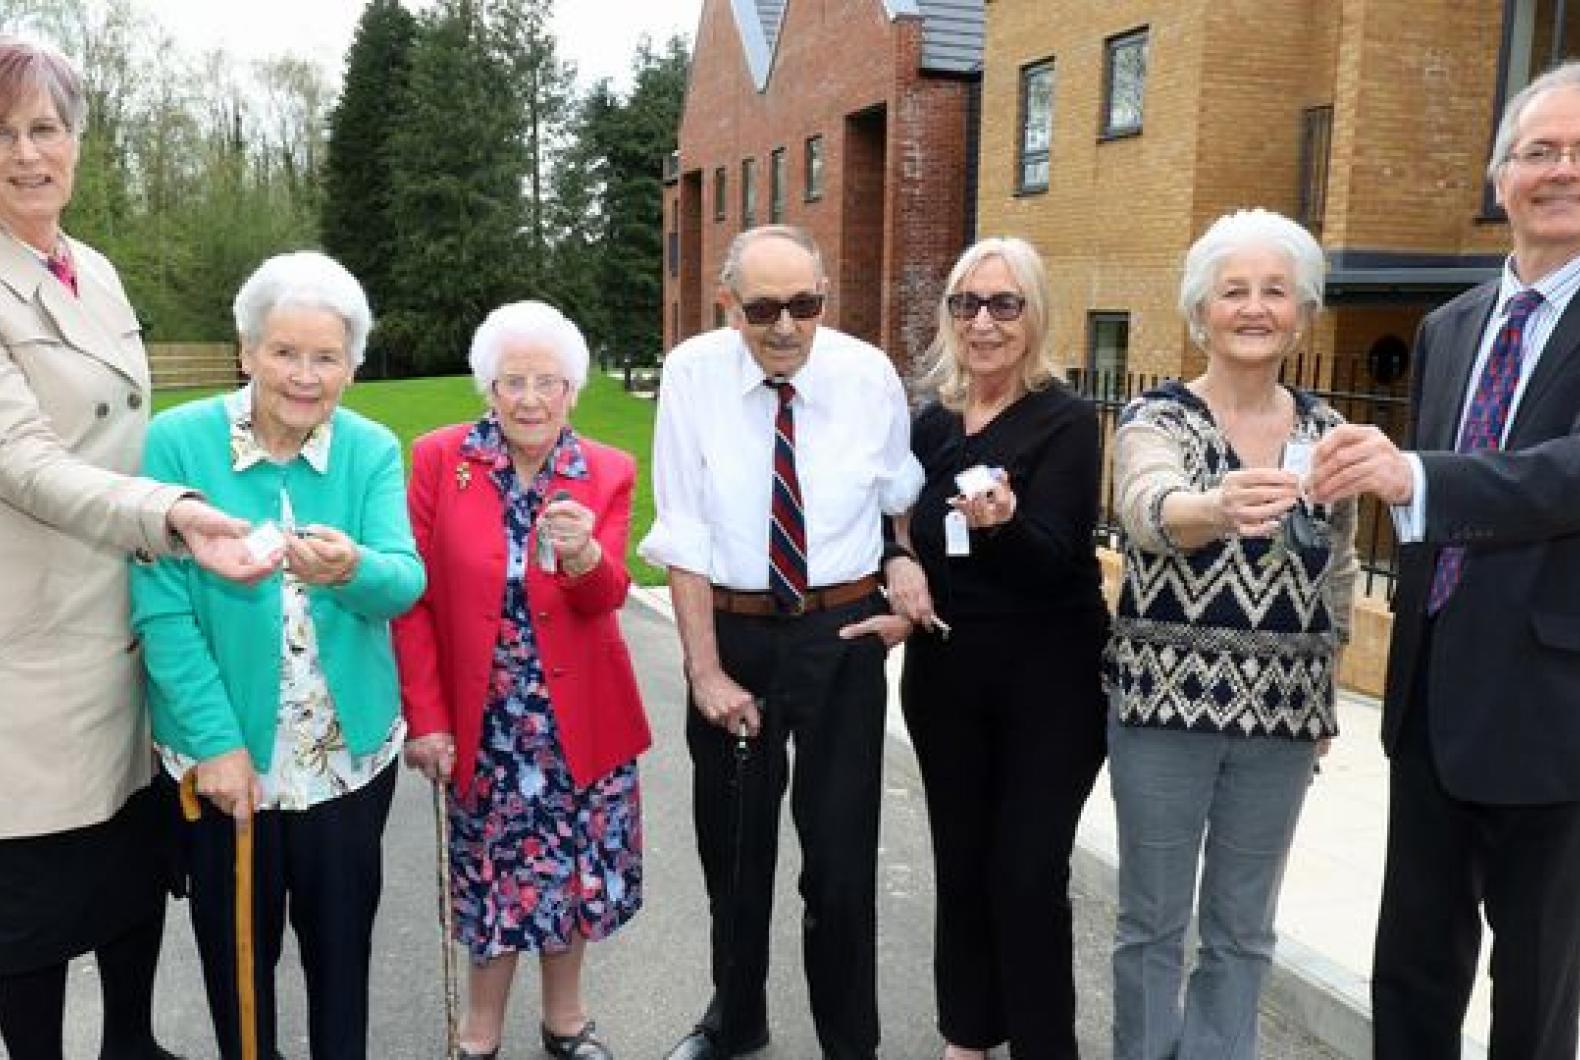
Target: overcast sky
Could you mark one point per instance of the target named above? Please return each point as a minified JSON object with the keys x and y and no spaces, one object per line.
{"x":599,"y":36}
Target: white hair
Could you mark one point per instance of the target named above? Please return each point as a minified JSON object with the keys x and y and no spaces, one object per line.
{"x":528,"y":322}
{"x":1244,"y":230}
{"x":1559,"y":77}
{"x":304,"y":280}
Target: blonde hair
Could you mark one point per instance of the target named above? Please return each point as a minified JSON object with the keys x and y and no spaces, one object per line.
{"x":946,"y":375}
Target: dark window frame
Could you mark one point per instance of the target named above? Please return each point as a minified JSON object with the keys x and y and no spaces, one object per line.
{"x":1107,"y":130}
{"x":748,"y":193}
{"x":1023,"y":155}
{"x":1095,"y":320}
{"x":720,"y":194}
{"x":1491,"y":211}
{"x":778,"y":177}
{"x":812,"y":163}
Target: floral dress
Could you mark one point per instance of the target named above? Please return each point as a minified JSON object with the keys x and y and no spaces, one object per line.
{"x":535,"y":861}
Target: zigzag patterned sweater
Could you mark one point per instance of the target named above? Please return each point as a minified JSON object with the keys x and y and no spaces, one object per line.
{"x":1240,"y":636}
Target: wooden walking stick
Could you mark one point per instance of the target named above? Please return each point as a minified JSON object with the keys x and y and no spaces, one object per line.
{"x":246,"y":998}
{"x":441,"y":826}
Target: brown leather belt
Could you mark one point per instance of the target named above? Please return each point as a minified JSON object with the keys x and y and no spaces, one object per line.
{"x":823,"y":599}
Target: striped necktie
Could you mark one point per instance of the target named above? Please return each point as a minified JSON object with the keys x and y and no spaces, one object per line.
{"x":1483,"y":427}
{"x":787,"y":568}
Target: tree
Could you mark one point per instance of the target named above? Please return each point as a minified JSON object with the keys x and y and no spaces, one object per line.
{"x":355,"y":220}
{"x":620,"y":153}
{"x":457,"y":213}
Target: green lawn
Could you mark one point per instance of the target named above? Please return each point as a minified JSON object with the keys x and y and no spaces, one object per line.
{"x":411,"y":407}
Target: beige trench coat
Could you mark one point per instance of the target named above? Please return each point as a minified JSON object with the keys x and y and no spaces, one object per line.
{"x":74,"y":397}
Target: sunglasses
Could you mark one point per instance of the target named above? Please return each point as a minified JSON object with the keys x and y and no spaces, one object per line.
{"x":763,"y":311}
{"x":1003,"y":306}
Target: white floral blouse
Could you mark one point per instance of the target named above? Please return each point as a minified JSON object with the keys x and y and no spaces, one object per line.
{"x":311,"y":763}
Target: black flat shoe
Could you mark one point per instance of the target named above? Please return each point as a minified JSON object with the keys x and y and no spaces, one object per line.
{"x":583,"y":1045}
{"x":462,"y":1053}
{"x":698,"y":1045}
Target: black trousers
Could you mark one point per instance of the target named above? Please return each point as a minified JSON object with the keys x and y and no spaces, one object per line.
{"x":322,"y":867}
{"x":1447,"y":860}
{"x":1007,"y":718}
{"x":827,"y":695}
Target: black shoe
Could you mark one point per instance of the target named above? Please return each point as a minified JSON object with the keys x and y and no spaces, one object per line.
{"x":701,"y":1044}
{"x":583,"y":1045}
{"x":463,"y":1053}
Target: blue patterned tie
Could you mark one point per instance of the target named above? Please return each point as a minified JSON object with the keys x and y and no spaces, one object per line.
{"x":787,"y":568}
{"x":1483,"y":427}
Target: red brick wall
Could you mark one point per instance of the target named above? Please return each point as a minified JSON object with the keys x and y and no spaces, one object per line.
{"x":835,"y":59}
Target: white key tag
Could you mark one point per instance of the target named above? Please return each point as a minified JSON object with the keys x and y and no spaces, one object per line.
{"x":1297,"y":458}
{"x":264,"y":541}
{"x":957,"y":535}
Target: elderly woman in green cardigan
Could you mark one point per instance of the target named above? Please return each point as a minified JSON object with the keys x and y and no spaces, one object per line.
{"x":282,"y":698}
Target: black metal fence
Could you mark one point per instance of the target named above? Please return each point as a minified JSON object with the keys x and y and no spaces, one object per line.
{"x":1346,"y":385}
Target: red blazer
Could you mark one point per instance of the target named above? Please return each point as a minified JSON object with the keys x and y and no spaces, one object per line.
{"x":445,"y":645}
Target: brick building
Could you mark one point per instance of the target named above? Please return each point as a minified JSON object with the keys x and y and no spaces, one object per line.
{"x":853,"y":118}
{"x":1114,"y":132}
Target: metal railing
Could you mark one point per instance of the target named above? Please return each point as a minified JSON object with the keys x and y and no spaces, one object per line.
{"x":1342,"y":384}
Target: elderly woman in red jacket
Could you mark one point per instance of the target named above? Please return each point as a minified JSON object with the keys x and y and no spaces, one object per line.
{"x":518,"y":689}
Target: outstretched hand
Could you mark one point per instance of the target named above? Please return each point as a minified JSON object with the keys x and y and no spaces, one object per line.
{"x":218,"y":543}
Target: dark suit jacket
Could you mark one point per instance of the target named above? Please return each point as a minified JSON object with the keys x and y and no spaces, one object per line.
{"x":1503,"y":684}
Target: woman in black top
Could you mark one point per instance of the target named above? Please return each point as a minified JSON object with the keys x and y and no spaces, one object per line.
{"x":1001,"y":683}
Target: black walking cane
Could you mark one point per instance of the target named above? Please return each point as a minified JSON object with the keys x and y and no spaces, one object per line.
{"x":743,"y":752}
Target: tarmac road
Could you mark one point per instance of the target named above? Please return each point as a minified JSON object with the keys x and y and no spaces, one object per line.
{"x":645,"y":986}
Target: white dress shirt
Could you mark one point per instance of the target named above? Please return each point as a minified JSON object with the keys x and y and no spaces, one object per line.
{"x":1557,"y":289}
{"x":713,"y":459}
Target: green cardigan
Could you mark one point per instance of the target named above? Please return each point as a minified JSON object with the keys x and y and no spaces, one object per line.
{"x":212,"y":648}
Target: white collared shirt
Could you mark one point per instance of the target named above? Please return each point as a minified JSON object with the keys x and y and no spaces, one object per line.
{"x":713,"y":459}
{"x":1557,"y":289}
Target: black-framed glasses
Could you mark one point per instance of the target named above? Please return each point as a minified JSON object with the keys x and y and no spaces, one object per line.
{"x":763,"y":311}
{"x":1001,"y":306}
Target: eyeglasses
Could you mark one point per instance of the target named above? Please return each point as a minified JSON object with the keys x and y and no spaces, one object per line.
{"x":516,"y":387}
{"x":1001,"y":306}
{"x":44,"y":134}
{"x":762,"y":311}
{"x":1542,"y":157}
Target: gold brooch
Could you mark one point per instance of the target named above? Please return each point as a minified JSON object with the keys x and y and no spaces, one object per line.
{"x":463,"y":475}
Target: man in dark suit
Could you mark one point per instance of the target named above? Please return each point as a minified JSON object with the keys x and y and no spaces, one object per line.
{"x":1482,"y":714}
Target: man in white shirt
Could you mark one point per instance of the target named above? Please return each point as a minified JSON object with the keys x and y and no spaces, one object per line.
{"x":779,"y":446}
{"x":1481,"y":719}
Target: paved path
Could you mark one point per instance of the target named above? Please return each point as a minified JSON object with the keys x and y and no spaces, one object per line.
{"x":646,"y":985}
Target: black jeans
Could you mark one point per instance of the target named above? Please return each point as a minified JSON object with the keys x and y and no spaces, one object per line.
{"x":827,"y":695}
{"x":328,"y":859}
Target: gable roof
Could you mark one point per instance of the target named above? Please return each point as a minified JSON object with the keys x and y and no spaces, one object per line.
{"x":951,"y":33}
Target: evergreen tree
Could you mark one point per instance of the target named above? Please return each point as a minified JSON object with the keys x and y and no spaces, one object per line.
{"x":355,"y":221}
{"x":457,"y":212}
{"x":635,"y":140}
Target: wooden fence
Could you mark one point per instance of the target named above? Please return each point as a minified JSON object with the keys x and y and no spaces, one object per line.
{"x":183,"y":364}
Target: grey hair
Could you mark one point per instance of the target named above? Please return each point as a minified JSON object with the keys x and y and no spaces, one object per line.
{"x":1239,"y":231}
{"x":730,"y":271}
{"x":305,"y":279}
{"x":1559,"y":77}
{"x":946,"y":372}
{"x":29,"y":66}
{"x":528,"y":322}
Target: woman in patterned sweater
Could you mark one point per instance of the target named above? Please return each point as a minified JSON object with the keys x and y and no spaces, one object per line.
{"x":1235,"y":601}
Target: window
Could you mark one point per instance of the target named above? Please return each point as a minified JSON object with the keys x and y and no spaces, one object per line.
{"x":1537,"y":35}
{"x":718,"y":194}
{"x":776,"y":185}
{"x":748,"y":192}
{"x":1036,"y":126}
{"x":1124,"y":83}
{"x":1107,"y":349}
{"x":814,"y":168}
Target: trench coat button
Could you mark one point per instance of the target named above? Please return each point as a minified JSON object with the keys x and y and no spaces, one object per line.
{"x":102,"y":409}
{"x":134,"y":400}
